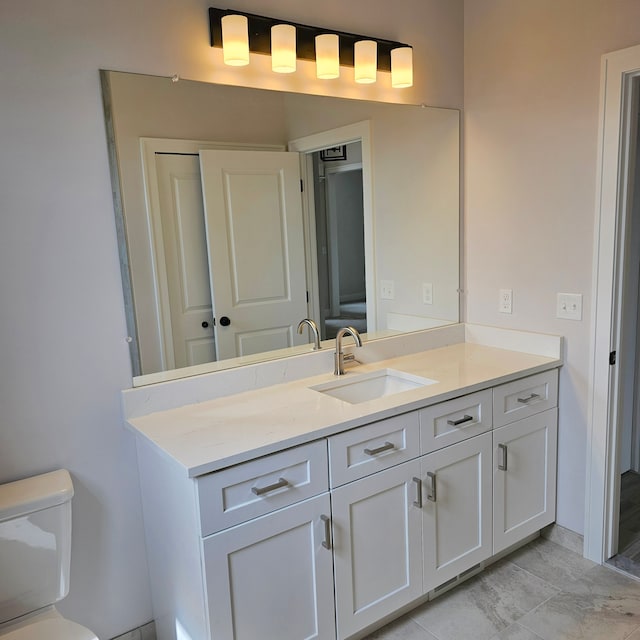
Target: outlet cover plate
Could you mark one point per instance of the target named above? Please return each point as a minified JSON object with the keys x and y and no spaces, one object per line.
{"x":387,"y":290}
{"x":505,"y":304}
{"x":427,"y":292}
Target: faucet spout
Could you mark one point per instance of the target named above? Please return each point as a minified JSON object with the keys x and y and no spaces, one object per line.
{"x":314,"y":329}
{"x":339,"y":356}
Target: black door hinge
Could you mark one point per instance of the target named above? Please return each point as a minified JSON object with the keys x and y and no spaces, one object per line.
{"x":301,"y":186}
{"x":612,"y":358}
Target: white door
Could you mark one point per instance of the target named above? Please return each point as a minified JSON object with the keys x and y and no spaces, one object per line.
{"x":272,"y":577}
{"x":189,"y":332}
{"x":255,"y":240}
{"x":524,"y":477}
{"x":456,"y":509}
{"x":377,"y":538}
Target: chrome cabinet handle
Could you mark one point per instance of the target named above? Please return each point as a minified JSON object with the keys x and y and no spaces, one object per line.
{"x":418,"y":501}
{"x":533,"y":396}
{"x":326,"y":543}
{"x":385,"y":447}
{"x":271,"y":487}
{"x":455,"y":423}
{"x":432,"y":494}
{"x":502,"y":463}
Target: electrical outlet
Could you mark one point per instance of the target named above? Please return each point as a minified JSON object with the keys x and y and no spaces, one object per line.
{"x":569,"y":306}
{"x":387,"y":290}
{"x":427,"y":293}
{"x":506,"y":301}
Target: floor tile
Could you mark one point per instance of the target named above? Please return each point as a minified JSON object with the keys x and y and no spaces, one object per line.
{"x":484,"y":606}
{"x":402,"y":629}
{"x":602,"y":604}
{"x":516,"y":632}
{"x":551,"y":562}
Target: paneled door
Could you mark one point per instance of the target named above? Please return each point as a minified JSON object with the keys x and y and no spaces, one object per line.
{"x":255,"y":241}
{"x":189,"y":338}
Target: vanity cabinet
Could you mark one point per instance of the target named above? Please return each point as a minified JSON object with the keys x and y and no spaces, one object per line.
{"x":377,"y":538}
{"x":327,"y":539}
{"x":272,"y":577}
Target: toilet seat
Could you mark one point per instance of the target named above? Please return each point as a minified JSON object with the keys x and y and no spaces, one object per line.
{"x":48,"y":626}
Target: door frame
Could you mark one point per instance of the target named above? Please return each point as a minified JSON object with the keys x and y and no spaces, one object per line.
{"x":149,"y":147}
{"x":615,"y":150}
{"x":357,"y":132}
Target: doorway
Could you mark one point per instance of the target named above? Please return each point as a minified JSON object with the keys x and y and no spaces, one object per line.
{"x":612,"y":380}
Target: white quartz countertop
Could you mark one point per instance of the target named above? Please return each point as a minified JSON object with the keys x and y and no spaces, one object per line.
{"x":214,"y":434}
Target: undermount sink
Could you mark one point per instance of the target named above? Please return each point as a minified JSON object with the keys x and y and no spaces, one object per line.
{"x":369,"y":386}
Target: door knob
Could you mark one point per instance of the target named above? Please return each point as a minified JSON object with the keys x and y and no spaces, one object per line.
{"x":224,"y":321}
{"x":205,"y":325}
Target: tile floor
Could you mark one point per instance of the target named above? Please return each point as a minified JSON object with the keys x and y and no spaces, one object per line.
{"x":628,"y":558}
{"x":540,"y":592}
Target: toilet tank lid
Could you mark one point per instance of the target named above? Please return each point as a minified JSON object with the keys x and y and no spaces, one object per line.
{"x":33,"y":494}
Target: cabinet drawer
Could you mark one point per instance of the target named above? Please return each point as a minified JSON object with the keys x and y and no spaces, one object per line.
{"x":522,"y":398}
{"x":380,"y":445}
{"x":455,"y":420}
{"x":251,"y":489}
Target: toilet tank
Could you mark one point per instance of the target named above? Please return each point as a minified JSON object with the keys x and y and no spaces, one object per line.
{"x":35,"y":543}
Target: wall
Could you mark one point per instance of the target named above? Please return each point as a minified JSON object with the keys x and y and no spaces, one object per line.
{"x":62,"y":328}
{"x":532,"y":83}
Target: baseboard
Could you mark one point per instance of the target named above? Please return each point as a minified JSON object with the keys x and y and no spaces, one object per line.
{"x":564,"y":537}
{"x":145,"y":632}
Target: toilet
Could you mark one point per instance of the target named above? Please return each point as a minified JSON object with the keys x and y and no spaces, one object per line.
{"x":35,"y":558}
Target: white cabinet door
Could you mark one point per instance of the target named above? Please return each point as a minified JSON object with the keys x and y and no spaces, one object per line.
{"x":524,"y":478}
{"x":456,"y":509}
{"x":377,"y":546}
{"x":272,"y":577}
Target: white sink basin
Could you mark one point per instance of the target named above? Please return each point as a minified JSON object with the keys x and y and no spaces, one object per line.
{"x":369,"y":386}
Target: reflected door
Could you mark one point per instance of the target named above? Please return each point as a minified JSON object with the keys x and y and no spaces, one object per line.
{"x":254,"y":229}
{"x":188,"y":335}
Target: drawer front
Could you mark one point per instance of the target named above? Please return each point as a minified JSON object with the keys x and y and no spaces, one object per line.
{"x":254,"y":488}
{"x":455,"y":420}
{"x":526,"y":397}
{"x":380,"y":445}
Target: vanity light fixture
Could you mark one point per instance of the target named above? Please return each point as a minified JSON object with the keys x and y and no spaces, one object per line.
{"x":402,"y":67}
{"x":235,"y":40}
{"x":327,"y":56}
{"x":283,"y":48}
{"x":365,"y":53}
{"x":287,"y":42}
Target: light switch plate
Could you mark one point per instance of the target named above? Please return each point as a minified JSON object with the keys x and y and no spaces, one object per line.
{"x":569,"y":306}
{"x":427,"y":292}
{"x":387,"y":290}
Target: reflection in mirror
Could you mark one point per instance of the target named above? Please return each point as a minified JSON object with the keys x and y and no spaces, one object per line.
{"x":223,"y":255}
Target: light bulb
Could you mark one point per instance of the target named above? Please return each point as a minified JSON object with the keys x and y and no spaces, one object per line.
{"x":365,"y":57}
{"x":402,"y":67}
{"x":283,"y":48}
{"x":235,"y":40}
{"x":327,"y":56}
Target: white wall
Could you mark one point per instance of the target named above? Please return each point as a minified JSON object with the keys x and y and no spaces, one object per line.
{"x":63,"y":353}
{"x":532,"y":82}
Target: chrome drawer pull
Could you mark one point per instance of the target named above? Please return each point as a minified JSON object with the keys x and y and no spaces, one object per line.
{"x":533,"y":396}
{"x":271,"y":487}
{"x":387,"y":446}
{"x":502,"y":463}
{"x":432,"y":495}
{"x":455,"y":423}
{"x":418,"y":501}
{"x":326,"y":543}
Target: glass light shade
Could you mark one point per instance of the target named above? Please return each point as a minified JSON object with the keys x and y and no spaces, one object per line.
{"x":365,"y":56}
{"x":327,"y":56}
{"x":283,"y":48}
{"x":402,"y":67}
{"x":235,"y":40}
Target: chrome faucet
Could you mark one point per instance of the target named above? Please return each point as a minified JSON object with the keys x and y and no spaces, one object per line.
{"x":314,"y":329}
{"x":339,"y":356}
